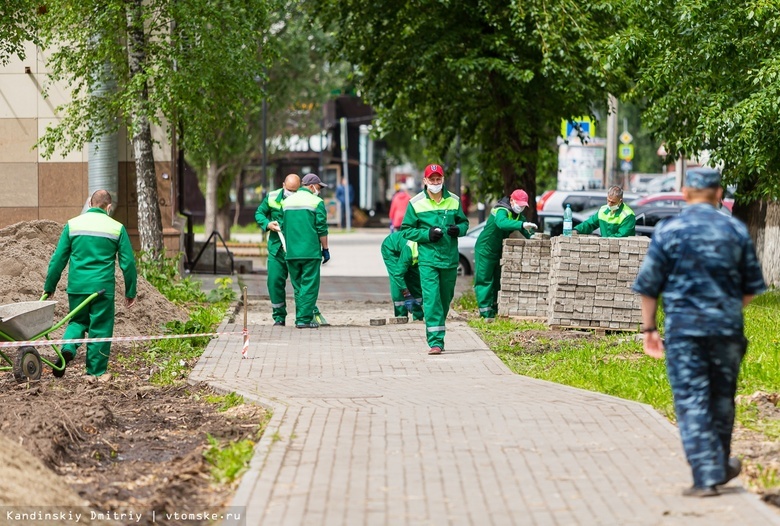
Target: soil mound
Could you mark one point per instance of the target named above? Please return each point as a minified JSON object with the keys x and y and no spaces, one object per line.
{"x":25,"y":251}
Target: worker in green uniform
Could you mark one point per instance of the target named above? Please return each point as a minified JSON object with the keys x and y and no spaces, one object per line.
{"x":434,"y":219}
{"x":505,"y":217}
{"x":614,"y":219}
{"x":90,"y":244}
{"x":401,"y":258}
{"x":269,"y":217}
{"x":305,"y":227}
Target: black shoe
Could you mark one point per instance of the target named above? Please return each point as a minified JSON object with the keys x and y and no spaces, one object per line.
{"x":58,"y":363}
{"x":311,"y":325}
{"x":279,"y":324}
{"x":695,"y":491}
{"x":733,"y":469}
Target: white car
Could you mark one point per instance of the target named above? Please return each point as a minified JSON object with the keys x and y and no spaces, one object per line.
{"x":466,"y":249}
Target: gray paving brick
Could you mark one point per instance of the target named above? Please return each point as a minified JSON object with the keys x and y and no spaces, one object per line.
{"x":368,"y":429}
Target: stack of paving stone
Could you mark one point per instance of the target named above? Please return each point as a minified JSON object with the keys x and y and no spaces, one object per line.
{"x":525,"y":269}
{"x":590,"y":282}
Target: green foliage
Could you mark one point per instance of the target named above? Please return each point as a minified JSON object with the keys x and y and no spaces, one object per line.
{"x":172,"y":359}
{"x":224,"y":292}
{"x":230,"y":461}
{"x":163,"y":273}
{"x":502,"y":75}
{"x":16,"y":28}
{"x":709,"y":75}
{"x":225,"y":402}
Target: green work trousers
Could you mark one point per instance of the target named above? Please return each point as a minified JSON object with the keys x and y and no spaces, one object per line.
{"x":96,"y":319}
{"x":438,"y":289}
{"x":277,"y":286}
{"x":412,"y":279}
{"x":487,"y":283}
{"x":305,"y":278}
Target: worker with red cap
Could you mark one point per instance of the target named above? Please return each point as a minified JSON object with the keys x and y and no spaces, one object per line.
{"x":434,"y":219}
{"x":505,"y":217}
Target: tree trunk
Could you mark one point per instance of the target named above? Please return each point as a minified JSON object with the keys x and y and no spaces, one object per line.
{"x":149,"y":217}
{"x":763,"y":221}
{"x":212,"y":183}
{"x":224,"y":220}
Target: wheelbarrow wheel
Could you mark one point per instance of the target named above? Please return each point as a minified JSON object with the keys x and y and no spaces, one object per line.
{"x":27,"y":365}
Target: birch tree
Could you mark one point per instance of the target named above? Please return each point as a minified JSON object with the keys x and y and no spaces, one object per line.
{"x":196,"y":75}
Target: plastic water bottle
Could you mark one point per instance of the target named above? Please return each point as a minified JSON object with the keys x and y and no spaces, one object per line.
{"x":567,"y":221}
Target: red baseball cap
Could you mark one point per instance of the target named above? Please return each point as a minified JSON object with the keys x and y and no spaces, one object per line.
{"x":433,"y":169}
{"x":520,"y":197}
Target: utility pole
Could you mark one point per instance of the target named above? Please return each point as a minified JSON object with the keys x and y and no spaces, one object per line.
{"x":345,"y":174}
{"x":612,"y":139}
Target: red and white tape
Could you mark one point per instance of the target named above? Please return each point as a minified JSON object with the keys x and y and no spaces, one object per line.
{"x":41,"y":343}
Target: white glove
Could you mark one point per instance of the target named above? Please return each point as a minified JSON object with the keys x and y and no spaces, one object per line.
{"x":530,"y":226}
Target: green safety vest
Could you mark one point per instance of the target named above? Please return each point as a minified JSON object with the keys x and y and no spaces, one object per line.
{"x":89,"y":244}
{"x":400,"y":256}
{"x":271,"y":210}
{"x":620,"y":223}
{"x":304,"y":222}
{"x":422,"y":214}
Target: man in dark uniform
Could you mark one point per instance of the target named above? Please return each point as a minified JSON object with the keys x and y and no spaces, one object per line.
{"x":705,"y":266}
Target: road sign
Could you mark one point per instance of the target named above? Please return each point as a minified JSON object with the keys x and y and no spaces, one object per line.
{"x":626,"y":137}
{"x":626,"y":152}
{"x":625,"y":166}
{"x":586,"y":125}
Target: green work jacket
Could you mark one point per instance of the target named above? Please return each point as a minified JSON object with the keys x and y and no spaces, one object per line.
{"x":89,"y":244}
{"x":304,"y":222}
{"x":620,"y":223}
{"x":422,"y":214}
{"x":271,"y":210}
{"x":501,"y":223}
{"x":400,"y":256}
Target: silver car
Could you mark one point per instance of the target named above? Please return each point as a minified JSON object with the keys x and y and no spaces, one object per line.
{"x":466,"y":249}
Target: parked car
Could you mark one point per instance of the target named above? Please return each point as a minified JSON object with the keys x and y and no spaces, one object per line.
{"x":466,"y":249}
{"x":667,"y":183}
{"x":556,"y":200}
{"x":671,"y":199}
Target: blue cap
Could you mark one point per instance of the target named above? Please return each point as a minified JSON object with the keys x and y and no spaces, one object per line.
{"x":702,"y":178}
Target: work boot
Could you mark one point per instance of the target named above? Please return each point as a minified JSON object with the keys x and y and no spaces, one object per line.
{"x":279,"y":324}
{"x":58,"y":363}
{"x":436,"y":350}
{"x":311,"y":325}
{"x":695,"y":491}
{"x":733,"y":469}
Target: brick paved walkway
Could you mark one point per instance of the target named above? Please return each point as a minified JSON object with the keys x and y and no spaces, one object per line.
{"x":368,"y":429}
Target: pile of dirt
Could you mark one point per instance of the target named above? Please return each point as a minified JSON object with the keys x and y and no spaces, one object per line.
{"x":25,"y":251}
{"x":121,"y":446}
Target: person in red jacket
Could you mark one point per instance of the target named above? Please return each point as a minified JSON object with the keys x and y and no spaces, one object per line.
{"x":398,"y":204}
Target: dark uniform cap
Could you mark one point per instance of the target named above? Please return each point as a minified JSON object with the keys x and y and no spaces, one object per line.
{"x":312,"y":179}
{"x":702,"y":178}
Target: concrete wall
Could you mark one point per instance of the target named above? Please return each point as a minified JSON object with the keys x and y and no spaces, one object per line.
{"x":34,"y":187}
{"x":578,"y":281}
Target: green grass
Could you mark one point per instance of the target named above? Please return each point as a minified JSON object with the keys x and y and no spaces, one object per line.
{"x":231,"y":459}
{"x":616,"y":365}
{"x":225,"y":402}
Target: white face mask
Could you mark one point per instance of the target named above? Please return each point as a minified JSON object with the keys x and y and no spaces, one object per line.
{"x":315,"y":190}
{"x":287,"y":193}
{"x":435,"y":188}
{"x":517,"y":209}
{"x":614,"y":207}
